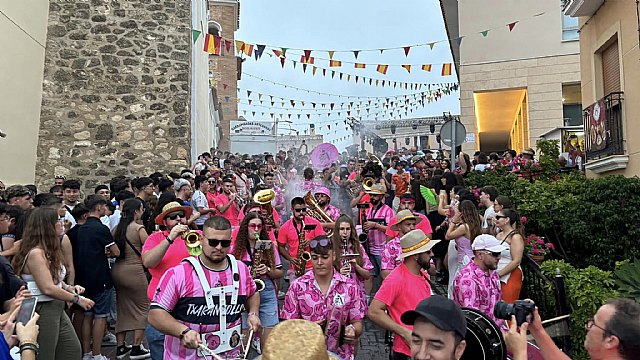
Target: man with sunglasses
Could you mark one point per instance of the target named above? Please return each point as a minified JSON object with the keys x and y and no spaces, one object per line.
{"x":328,"y":298}
{"x":477,"y":285}
{"x":199,"y":302}
{"x":291,"y":232}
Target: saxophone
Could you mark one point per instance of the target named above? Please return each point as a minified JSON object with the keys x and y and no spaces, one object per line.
{"x":302,"y":255}
{"x":257,"y":260}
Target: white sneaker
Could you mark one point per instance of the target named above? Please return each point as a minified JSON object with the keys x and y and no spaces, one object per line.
{"x":109,"y":340}
{"x":100,"y":357}
{"x":87,"y":356}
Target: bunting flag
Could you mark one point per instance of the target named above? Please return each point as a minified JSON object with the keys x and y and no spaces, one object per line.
{"x":355,"y":53}
{"x":431,"y":45}
{"x":259,"y":51}
{"x":458,"y":40}
{"x":485,"y":33}
{"x":407,"y":67}
{"x":335,"y":63}
{"x":195,"y":34}
{"x":227,"y":45}
{"x":426,"y":67}
{"x":382,"y":69}
{"x":512,"y":25}
{"x":331,"y":52}
{"x":248,"y":49}
{"x":212,"y":44}
{"x":284,"y":52}
{"x":446,"y":69}
{"x":278,"y":53}
{"x":313,"y":72}
{"x":307,"y":53}
{"x":282,"y":60}
{"x":406,"y":50}
{"x":306,"y":60}
{"x":239,"y":46}
{"x":360,"y":66}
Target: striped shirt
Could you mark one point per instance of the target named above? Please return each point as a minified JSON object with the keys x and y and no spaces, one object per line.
{"x":377,"y":238}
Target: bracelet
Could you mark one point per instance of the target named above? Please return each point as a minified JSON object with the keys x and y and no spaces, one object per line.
{"x":76,"y":299}
{"x":253,"y":313}
{"x":169,"y":240}
{"x":184,"y":332}
{"x":30,"y":346}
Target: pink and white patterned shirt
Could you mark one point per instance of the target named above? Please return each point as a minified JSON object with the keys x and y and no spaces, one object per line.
{"x":279,"y":200}
{"x":333,"y":212}
{"x":377,"y":238}
{"x":181,"y":294}
{"x":478,"y":289}
{"x":392,"y":250}
{"x":342,"y":304}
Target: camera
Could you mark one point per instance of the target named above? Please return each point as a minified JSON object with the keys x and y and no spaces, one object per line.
{"x":521,"y":309}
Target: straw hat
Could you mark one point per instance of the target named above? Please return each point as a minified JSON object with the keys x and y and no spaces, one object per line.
{"x":402,"y":216}
{"x":416,"y":158}
{"x":415,"y":242}
{"x":264,"y":196}
{"x":376,"y":189}
{"x":172,"y":207}
{"x":296,"y":340}
{"x":529,"y":151}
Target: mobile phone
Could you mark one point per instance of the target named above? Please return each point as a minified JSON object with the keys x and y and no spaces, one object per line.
{"x":263,"y":244}
{"x":27,"y":309}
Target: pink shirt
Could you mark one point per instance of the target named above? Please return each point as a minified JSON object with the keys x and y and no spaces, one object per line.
{"x":342,"y":304}
{"x":478,"y":289}
{"x":424,"y":225}
{"x":232,"y":212}
{"x":392,"y":250}
{"x":333,"y":212}
{"x":247,"y":260}
{"x":174,"y":255}
{"x":288,"y":235}
{"x":279,"y":200}
{"x":180,"y":293}
{"x":377,"y":238}
{"x":402,"y":291}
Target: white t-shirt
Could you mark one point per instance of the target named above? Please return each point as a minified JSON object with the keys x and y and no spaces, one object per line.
{"x":489,"y":213}
{"x":199,"y":200}
{"x":480,"y":167}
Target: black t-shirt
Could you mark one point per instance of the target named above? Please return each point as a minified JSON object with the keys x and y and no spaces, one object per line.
{"x":93,"y":270}
{"x":10,"y":283}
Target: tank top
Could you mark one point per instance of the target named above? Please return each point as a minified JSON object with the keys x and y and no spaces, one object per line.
{"x":463,"y":245}
{"x":505,"y":258}
{"x":33,"y":287}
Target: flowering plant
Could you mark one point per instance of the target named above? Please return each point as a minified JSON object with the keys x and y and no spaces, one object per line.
{"x":535,"y":245}
{"x":521,"y":164}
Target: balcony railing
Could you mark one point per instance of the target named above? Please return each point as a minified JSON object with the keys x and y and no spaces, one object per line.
{"x":603,"y":125}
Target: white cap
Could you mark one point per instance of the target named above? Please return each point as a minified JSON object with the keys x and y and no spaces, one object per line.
{"x":487,"y":242}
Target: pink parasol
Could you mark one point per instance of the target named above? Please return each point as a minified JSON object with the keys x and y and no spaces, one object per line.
{"x":324,"y":155}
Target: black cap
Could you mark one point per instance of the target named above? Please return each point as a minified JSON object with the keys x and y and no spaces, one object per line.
{"x":441,"y":312}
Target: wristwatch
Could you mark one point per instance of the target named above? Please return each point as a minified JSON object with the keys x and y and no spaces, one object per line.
{"x":169,"y":240}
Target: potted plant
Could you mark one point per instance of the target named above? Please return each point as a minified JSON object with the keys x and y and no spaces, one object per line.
{"x":537,"y":248}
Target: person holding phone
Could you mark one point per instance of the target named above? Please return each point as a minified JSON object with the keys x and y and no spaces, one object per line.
{"x":22,"y":332}
{"x":40,"y":262}
{"x":251,"y":242}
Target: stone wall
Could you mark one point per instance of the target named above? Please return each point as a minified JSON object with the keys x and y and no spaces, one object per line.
{"x":116,"y":90}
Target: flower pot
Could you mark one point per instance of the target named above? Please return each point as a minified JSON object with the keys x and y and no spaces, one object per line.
{"x":537,"y":258}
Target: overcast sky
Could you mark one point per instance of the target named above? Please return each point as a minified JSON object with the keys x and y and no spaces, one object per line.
{"x":340,"y":25}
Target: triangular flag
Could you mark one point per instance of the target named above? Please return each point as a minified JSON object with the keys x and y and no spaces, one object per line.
{"x":331,"y":52}
{"x":324,"y":72}
{"x":304,"y":68}
{"x":406,"y":50}
{"x":355,"y":53}
{"x":307,"y":53}
{"x":259,"y":51}
{"x":381,"y":51}
{"x":407,"y":67}
{"x":294,"y":64}
{"x":458,"y":40}
{"x":333,"y":74}
{"x":426,"y":67}
{"x":431,"y":45}
{"x":313,"y":71}
{"x":248,"y":49}
{"x":226,"y":98}
{"x":284,"y":51}
{"x":485,"y":33}
{"x":239,"y":46}
{"x":348,"y":77}
{"x":341,"y":76}
{"x":249,"y":101}
{"x":278,"y":53}
{"x":512,"y":25}
{"x":308,"y":117}
{"x":282,"y":60}
{"x":195,"y":34}
{"x":227,"y":45}
{"x":248,"y":93}
{"x":224,"y":86}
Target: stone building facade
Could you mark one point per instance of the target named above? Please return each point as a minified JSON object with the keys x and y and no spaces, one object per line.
{"x":223,"y":70}
{"x":116,"y":90}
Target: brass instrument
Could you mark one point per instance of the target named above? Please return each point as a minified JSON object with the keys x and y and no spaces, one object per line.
{"x":239,"y":201}
{"x":257,"y":260}
{"x":302,"y":255}
{"x":366,"y":183}
{"x":192,"y":240}
{"x":264,"y":198}
{"x":344,"y":258}
{"x":316,"y":212}
{"x":362,"y":208}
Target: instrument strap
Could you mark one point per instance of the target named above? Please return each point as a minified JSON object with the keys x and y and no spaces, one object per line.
{"x":195,"y":263}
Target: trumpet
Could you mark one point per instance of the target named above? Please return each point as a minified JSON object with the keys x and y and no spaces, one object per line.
{"x":239,"y":201}
{"x":367,"y":183}
{"x":192,"y":240}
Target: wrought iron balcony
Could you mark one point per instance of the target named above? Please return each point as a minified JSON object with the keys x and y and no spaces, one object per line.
{"x":603,"y":126}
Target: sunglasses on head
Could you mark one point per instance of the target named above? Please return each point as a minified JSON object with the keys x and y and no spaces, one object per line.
{"x":176,"y":215}
{"x":300,"y":210}
{"x":216,"y":242}
{"x":322,"y":243}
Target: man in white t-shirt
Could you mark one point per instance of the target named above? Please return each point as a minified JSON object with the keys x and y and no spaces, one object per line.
{"x":488,"y":195}
{"x":199,"y":200}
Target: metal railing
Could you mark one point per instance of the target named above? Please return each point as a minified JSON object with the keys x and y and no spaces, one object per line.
{"x":603,"y":126}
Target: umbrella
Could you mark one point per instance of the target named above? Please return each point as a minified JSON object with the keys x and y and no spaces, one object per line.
{"x":324,"y":155}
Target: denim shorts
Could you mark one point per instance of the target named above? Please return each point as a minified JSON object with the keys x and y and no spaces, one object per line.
{"x":376,"y":260}
{"x":268,"y":307}
{"x":102,"y":306}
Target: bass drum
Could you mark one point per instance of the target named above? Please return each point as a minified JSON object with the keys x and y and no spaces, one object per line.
{"x":484,"y":338}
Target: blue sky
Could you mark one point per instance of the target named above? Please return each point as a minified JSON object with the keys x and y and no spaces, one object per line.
{"x":340,"y":25}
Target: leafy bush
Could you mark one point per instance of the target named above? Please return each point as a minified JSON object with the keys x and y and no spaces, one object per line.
{"x":628,"y":279}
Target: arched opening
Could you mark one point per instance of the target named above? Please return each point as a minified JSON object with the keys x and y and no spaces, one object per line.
{"x":215,"y":28}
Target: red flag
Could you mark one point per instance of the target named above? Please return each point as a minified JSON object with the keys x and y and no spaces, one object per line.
{"x":278,"y":53}
{"x":307,"y":53}
{"x":512,"y":25}
{"x":360,"y":66}
{"x":446,"y":69}
{"x":406,"y":50}
{"x":382,"y":69}
{"x":212,"y":44}
{"x":306,"y":60}
{"x":335,"y":63}
{"x":282,"y":60}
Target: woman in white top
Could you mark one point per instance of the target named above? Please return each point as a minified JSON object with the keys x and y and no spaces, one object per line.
{"x":511,"y":236}
{"x":40,"y":262}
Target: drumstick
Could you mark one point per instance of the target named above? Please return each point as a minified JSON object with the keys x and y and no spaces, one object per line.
{"x":208,"y":351}
{"x":246,"y":350}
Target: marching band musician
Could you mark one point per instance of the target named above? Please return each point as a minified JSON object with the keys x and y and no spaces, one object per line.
{"x":323,"y":198}
{"x":300,"y":225}
{"x":402,"y":290}
{"x":267,"y":268}
{"x":252,"y":207}
{"x":345,"y":241}
{"x":404,"y":222}
{"x":196,"y":297}
{"x":227,"y":203}
{"x":408,"y":202}
{"x":328,"y":298}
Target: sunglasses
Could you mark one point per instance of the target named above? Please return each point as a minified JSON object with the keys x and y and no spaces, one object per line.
{"x":322,"y":243}
{"x":211,"y":181}
{"x":176,"y":215}
{"x":216,"y":242}
{"x":494,"y":254}
{"x":300,"y":210}
{"x":255,"y":226}
{"x":498,"y":217}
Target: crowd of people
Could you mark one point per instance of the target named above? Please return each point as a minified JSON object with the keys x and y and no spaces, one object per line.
{"x":228,"y":255}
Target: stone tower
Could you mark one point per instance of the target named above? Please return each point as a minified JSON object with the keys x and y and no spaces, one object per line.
{"x":116,"y":89}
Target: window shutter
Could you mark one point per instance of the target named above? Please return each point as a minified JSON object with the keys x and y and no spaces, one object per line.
{"x":611,"y":69}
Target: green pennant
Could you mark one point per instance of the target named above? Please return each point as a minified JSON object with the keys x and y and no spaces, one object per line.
{"x":195,"y":34}
{"x":485,"y":33}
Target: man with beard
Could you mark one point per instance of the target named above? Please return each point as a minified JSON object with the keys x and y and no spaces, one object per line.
{"x":404,"y":223}
{"x":226,"y":202}
{"x":477,"y":285}
{"x":342,"y":308}
{"x":323,"y":199}
{"x":378,"y":215}
{"x":199,"y":302}
{"x":402,"y":290}
{"x":408,"y":202}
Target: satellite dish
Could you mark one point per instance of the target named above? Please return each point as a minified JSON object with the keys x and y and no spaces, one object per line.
{"x":453,"y":130}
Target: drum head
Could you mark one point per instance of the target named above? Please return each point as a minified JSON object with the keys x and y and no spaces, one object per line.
{"x":484,"y":338}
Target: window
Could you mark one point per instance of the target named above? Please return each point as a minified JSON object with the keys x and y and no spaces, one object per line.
{"x":569,"y":28}
{"x":610,"y":68}
{"x":215,"y":28}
